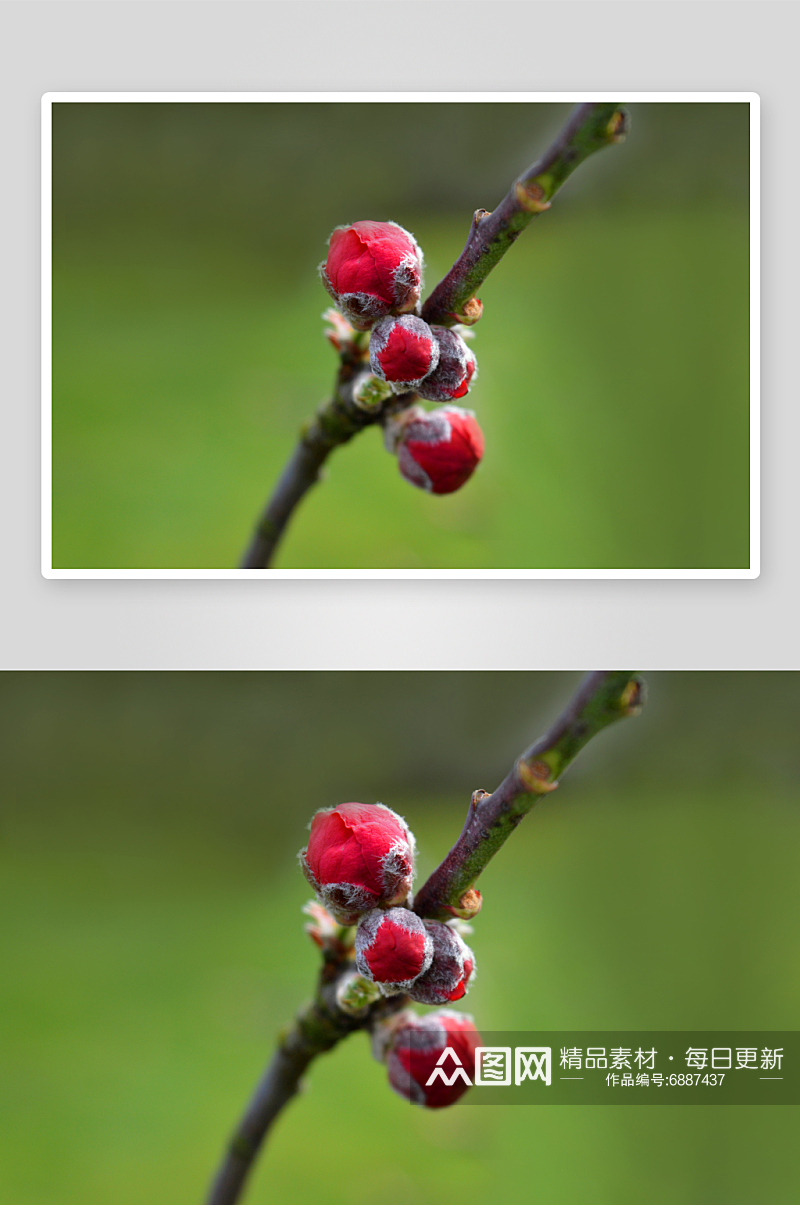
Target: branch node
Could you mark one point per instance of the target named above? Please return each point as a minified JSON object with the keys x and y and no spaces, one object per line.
{"x":535,"y":778}
{"x":530,"y":196}
{"x":632,"y":699}
{"x":468,"y":906}
{"x":470,"y":312}
{"x":618,"y":126}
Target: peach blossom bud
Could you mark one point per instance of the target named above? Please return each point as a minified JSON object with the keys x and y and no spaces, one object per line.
{"x":403,"y":351}
{"x":430,"y":1048}
{"x":393,"y":949}
{"x":373,"y":269}
{"x":437,"y":451}
{"x":450,"y":971}
{"x":455,"y":372}
{"x":359,"y":857}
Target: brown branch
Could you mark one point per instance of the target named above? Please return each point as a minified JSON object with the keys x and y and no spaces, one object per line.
{"x":276,"y":1088}
{"x":334,"y":424}
{"x":295,"y":481}
{"x":317,"y":1029}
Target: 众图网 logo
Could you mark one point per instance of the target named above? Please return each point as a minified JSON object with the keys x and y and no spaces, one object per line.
{"x":493,"y":1066}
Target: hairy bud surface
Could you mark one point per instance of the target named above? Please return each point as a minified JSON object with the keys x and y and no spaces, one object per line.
{"x":453,"y":376}
{"x":403,"y":351}
{"x":393,"y":948}
{"x":451,"y":968}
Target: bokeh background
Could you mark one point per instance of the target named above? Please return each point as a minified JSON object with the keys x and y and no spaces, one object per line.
{"x":154,"y":939}
{"x":188,"y":348}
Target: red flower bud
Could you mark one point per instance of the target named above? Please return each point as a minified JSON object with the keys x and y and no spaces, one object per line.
{"x":437,"y":451}
{"x":359,"y":857}
{"x":449,"y":974}
{"x":392,"y":949}
{"x":373,"y":269}
{"x":455,"y":371}
{"x":415,"y":1047}
{"x":403,"y":351}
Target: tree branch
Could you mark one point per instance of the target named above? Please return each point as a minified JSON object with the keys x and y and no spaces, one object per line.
{"x":317,"y":1028}
{"x":590,"y":127}
{"x":275,"y":1089}
{"x":335,"y":423}
{"x":602,"y":698}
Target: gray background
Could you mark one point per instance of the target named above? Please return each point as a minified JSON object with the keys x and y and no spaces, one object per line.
{"x":444,"y":47}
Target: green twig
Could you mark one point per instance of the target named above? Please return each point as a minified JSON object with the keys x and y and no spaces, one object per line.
{"x":602,"y":699}
{"x":590,"y":128}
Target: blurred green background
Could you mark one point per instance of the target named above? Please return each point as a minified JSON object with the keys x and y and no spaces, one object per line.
{"x":155,"y":944}
{"x":188,"y":348}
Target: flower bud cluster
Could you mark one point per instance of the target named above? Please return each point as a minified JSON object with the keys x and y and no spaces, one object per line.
{"x":373,"y":272}
{"x":401,"y":953}
{"x":360,"y":862}
{"x":432,"y":360}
